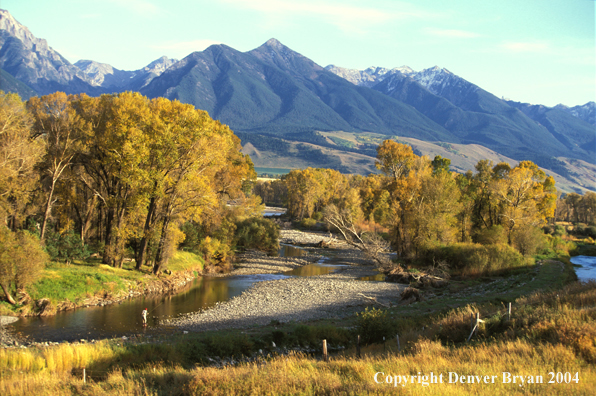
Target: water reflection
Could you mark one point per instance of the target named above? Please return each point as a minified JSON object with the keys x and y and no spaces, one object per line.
{"x":290,"y":251}
{"x":375,"y":278}
{"x":314,"y":269}
{"x":125,"y":318}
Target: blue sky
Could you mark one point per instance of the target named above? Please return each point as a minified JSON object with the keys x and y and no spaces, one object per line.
{"x":536,"y":51}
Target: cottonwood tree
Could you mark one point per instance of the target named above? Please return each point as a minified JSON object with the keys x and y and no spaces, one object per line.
{"x":526,"y":196}
{"x":55,"y":121}
{"x":114,"y":148}
{"x":19,"y":153}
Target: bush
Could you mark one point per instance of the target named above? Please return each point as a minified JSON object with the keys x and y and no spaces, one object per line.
{"x":318,"y":216}
{"x":560,"y":246}
{"x":214,"y":252}
{"x":470,"y":259}
{"x":559,"y":231}
{"x":490,"y":236}
{"x":373,"y":325}
{"x":258,"y":233}
{"x":529,"y":240}
{"x":308,"y":223}
{"x":66,"y":246}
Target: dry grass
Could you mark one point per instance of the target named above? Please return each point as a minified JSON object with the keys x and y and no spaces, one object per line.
{"x":299,"y":374}
{"x":548,"y":332}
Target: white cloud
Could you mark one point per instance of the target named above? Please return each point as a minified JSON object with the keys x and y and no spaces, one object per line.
{"x":451,"y":33}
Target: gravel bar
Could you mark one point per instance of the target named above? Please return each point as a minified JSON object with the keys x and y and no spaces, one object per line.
{"x":298,"y":299}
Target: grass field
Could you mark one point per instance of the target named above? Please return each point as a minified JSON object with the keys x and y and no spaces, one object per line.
{"x":71,"y":285}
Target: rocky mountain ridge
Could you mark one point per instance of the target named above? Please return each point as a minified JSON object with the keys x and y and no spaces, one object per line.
{"x":273,"y":90}
{"x":33,"y":62}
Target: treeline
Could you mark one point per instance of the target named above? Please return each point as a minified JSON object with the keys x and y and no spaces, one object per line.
{"x":577,"y":208}
{"x":122,"y":174}
{"x":421,"y":204}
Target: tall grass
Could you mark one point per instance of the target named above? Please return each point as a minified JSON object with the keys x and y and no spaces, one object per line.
{"x":299,"y":374}
{"x":548,"y":331}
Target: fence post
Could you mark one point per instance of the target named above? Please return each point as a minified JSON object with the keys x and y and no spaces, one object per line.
{"x":84,"y":376}
{"x":509,"y":312}
{"x":472,"y":322}
{"x":358,"y":346}
{"x":398,"y":346}
{"x":325,"y":356}
{"x":384,"y":344}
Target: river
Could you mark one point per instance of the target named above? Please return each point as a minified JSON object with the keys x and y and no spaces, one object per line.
{"x":124,"y":318}
{"x":587,"y":269}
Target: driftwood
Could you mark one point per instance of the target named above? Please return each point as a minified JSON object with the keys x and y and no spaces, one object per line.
{"x":410,"y":294}
{"x":421,"y":279}
{"x":374,"y":300}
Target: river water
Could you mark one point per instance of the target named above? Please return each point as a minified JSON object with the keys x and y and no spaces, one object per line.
{"x":125,"y":318}
{"x":587,"y":271}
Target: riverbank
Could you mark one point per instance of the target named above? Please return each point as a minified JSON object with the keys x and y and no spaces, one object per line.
{"x":298,"y":299}
{"x":6,"y":338}
{"x":89,"y":283}
{"x":550,"y":330}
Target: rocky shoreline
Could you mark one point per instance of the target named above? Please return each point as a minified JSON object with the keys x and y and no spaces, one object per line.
{"x":293,"y":299}
{"x":298,"y":299}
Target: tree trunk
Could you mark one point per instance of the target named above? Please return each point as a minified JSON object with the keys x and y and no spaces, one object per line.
{"x":107,"y":252}
{"x":88,"y":217}
{"x":7,"y":294}
{"x":160,"y":259}
{"x":47,"y":211}
{"x":146,"y":233}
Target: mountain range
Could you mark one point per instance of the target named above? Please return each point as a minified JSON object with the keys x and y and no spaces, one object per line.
{"x":275,"y":92}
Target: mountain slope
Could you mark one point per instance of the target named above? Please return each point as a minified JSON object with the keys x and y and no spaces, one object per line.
{"x":273,"y":90}
{"x":33,"y":62}
{"x":478,"y":117}
{"x":586,"y":112}
{"x":276,"y":90}
{"x":10,"y":84}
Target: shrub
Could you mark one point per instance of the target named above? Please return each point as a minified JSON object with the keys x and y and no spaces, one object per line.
{"x":529,"y":240}
{"x":308,"y":223}
{"x":560,"y":246}
{"x":559,"y":231}
{"x":373,"y":325}
{"x":214,"y":252}
{"x":490,"y":236}
{"x":66,"y":246}
{"x":21,"y":260}
{"x":258,"y":233}
{"x":472,"y":259}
